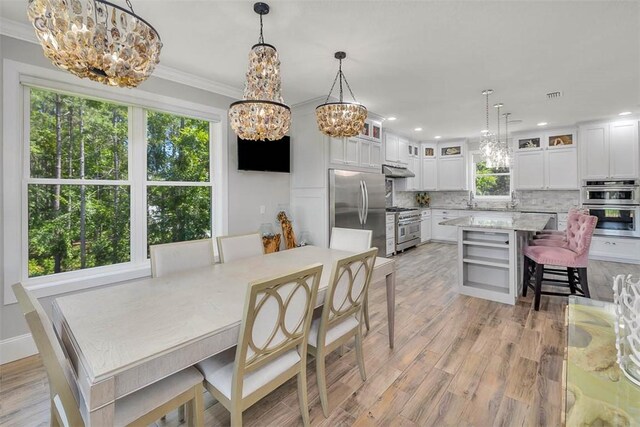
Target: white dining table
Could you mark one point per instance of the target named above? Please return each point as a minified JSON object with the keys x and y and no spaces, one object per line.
{"x":122,"y":338}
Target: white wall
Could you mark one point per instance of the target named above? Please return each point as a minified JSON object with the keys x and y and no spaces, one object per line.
{"x":247,"y":190}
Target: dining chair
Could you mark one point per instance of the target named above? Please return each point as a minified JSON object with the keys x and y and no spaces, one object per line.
{"x":179,"y":256}
{"x":237,"y":247}
{"x":353,"y":240}
{"x":572,"y":258}
{"x":272,"y":344}
{"x":341,"y":317}
{"x":142,"y":407}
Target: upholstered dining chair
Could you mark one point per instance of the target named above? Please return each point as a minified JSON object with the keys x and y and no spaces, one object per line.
{"x":173,"y":257}
{"x":272,"y":344}
{"x":353,"y":240}
{"x":572,"y":256}
{"x":140,"y":408}
{"x":237,"y":247}
{"x":559,"y":234}
{"x":341,"y":317}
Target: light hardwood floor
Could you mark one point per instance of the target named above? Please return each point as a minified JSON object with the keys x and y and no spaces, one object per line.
{"x":457,"y":361}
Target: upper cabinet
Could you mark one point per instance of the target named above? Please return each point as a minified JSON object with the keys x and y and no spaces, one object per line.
{"x":610,"y":150}
{"x":372,"y":130}
{"x":429,"y":170}
{"x":452,"y":165}
{"x":546,"y":161}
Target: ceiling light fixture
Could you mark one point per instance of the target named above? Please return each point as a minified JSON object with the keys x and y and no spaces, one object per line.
{"x":391,"y":118}
{"x":261,"y":115}
{"x":418,"y":129}
{"x":488,"y":140}
{"x":341,"y":119}
{"x":625,"y":113}
{"x":97,"y":40}
{"x":542,"y":124}
{"x":437,"y":137}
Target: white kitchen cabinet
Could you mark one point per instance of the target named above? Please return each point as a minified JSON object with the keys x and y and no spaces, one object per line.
{"x":425,"y":225}
{"x":623,"y":149}
{"x":429,"y":169}
{"x":620,"y":249}
{"x":375,"y":155}
{"x":452,"y":166}
{"x":391,"y":234}
{"x":403,"y":151}
{"x":546,"y":161}
{"x":561,"y":168}
{"x":391,"y":148}
{"x":336,"y":151}
{"x":444,"y":233}
{"x":351,"y":151}
{"x":528,"y":167}
{"x":610,"y":150}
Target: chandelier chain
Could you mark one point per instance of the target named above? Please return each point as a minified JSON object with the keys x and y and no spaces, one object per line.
{"x":261,"y":38}
{"x":340,"y":77}
{"x":332,"y":86}
{"x":130,"y":6}
{"x":486,"y":107}
{"x":498,"y":107}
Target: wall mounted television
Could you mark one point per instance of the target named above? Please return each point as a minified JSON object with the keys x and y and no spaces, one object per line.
{"x":264,"y":156}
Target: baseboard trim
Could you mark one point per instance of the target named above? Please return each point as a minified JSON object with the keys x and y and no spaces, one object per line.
{"x":15,"y":348}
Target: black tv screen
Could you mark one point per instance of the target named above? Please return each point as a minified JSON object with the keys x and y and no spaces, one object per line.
{"x":267,"y":156}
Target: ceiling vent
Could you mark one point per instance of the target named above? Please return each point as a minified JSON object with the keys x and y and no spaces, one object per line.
{"x":554,"y":95}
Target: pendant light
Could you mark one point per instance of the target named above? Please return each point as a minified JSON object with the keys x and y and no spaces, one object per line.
{"x":261,"y":115}
{"x":488,"y":140}
{"x":96,"y":39}
{"x":341,"y":119}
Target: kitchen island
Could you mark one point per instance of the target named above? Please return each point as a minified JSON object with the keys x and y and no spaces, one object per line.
{"x":490,"y":253}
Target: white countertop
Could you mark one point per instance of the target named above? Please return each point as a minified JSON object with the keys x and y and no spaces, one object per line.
{"x":517,"y":221}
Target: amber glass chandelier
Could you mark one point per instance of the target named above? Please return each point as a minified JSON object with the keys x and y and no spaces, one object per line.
{"x":97,"y":40}
{"x":261,"y":115}
{"x":341,"y":119}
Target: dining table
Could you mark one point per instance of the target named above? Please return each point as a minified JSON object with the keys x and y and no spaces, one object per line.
{"x":124,"y":337}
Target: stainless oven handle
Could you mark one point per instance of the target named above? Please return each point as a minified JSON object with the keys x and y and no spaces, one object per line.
{"x":408,"y":222}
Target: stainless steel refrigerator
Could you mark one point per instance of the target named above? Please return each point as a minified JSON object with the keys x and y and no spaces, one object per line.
{"x":356,"y":200}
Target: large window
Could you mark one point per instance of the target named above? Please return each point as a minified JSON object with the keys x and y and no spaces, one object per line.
{"x":90,"y":199}
{"x":489,"y":183}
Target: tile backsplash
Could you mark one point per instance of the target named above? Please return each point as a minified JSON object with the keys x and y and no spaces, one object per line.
{"x":529,"y":200}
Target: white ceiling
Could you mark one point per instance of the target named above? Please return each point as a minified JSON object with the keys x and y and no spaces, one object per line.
{"x":424,"y":62}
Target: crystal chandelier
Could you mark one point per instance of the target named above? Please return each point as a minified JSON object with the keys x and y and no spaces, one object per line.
{"x":261,"y":115}
{"x":496,"y":153}
{"x":96,"y":39}
{"x":341,"y":119}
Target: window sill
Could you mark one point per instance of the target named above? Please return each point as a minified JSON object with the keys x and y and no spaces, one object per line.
{"x":76,"y":281}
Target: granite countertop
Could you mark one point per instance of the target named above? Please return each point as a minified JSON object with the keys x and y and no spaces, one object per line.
{"x":498,"y":209}
{"x":518,"y":221}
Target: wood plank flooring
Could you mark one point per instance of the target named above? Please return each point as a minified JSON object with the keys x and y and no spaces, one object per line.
{"x":457,"y":361}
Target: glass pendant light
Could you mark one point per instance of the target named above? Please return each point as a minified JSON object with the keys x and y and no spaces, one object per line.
{"x":96,"y":39}
{"x":488,"y":140}
{"x":261,"y":115}
{"x":341,"y":119}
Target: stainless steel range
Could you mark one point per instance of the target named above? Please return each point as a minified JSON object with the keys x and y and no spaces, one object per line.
{"x":616,"y":204}
{"x":407,"y":227}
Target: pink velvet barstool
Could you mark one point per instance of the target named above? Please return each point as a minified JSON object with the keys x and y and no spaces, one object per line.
{"x":572,"y":254}
{"x":558,"y":234}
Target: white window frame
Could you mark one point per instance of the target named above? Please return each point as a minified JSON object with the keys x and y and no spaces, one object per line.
{"x":472,"y":184}
{"x":15,"y":158}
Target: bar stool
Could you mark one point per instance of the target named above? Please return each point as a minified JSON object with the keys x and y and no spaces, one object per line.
{"x":572,"y":256}
{"x":559,"y":234}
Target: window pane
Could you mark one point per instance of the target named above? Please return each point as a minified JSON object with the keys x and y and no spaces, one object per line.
{"x":73,"y":137}
{"x":489,"y":185}
{"x":176,"y":214}
{"x":481,"y":167}
{"x":177,"y":148}
{"x":73,"y":227}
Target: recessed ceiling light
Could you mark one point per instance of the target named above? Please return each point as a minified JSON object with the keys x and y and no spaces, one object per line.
{"x":418,"y":129}
{"x":484,"y":131}
{"x":437,"y":137}
{"x":625,"y":113}
{"x":391,"y":118}
{"x":542,"y":124}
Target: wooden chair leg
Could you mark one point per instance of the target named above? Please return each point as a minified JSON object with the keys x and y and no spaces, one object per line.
{"x":181,"y":413}
{"x":55,"y":422}
{"x":322,"y":382}
{"x":302,"y":395}
{"x":359,"y":354}
{"x":538,"y":289}
{"x":236,"y":414}
{"x":525,"y":277}
{"x":572,"y":280}
{"x":195,"y":408}
{"x":365,"y":309}
{"x":584,"y":281}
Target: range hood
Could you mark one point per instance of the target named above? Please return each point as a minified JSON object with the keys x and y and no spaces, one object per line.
{"x":396,"y":172}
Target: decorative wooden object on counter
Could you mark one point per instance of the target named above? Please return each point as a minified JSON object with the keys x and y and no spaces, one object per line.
{"x":271,"y":243}
{"x":287,"y":230}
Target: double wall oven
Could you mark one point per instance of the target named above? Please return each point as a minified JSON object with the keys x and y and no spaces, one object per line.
{"x":616,"y":203}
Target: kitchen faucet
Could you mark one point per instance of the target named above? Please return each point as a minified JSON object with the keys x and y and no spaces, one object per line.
{"x":514,"y":200}
{"x":471,"y":202}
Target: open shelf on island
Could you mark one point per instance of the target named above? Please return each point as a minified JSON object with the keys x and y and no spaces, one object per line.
{"x":486,"y":243}
{"x":493,"y":262}
{"x":486,"y":287}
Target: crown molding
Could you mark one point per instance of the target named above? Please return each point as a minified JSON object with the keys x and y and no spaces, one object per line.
{"x":21,"y":31}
